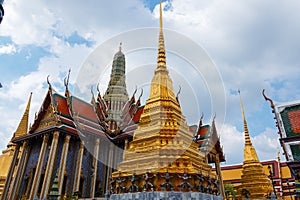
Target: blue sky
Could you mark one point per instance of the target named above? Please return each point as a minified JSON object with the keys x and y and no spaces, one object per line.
{"x":254,"y":45}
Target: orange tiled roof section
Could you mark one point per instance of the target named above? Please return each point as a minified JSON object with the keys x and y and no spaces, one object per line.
{"x":137,"y":115}
{"x":61,"y":105}
{"x":294,"y":117}
{"x":84,"y":109}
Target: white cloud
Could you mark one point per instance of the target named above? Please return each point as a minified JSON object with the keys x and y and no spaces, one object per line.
{"x":8,"y":49}
{"x":266,"y":144}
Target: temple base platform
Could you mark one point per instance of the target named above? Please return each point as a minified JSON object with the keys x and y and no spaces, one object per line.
{"x":164,"y":196}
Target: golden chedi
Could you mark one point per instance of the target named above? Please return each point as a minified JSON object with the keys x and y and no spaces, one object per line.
{"x":7,"y":154}
{"x":162,"y":156}
{"x":254,"y":180}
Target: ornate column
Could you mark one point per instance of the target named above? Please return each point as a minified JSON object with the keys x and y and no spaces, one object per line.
{"x":95,"y":161}
{"x":49,"y":168}
{"x":10,"y":173}
{"x":110,"y":164}
{"x":78,"y":167}
{"x":29,"y":184}
{"x":38,"y":171}
{"x":19,"y":172}
{"x":62,"y":165}
{"x":103,"y":149}
{"x":219,"y":173}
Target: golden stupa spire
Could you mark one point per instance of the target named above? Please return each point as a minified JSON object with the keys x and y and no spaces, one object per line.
{"x":23,"y":125}
{"x":247,"y":137}
{"x":162,"y":142}
{"x":161,"y":58}
{"x":253,"y":177}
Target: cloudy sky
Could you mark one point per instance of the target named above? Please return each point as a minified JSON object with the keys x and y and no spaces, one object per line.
{"x":252,"y":45}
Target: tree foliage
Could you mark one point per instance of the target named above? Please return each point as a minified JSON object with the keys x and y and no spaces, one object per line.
{"x":229,"y":190}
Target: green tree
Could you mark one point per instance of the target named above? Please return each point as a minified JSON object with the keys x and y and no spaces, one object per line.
{"x":229,"y":190}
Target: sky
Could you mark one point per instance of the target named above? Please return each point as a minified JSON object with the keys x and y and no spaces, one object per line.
{"x":248,"y":45}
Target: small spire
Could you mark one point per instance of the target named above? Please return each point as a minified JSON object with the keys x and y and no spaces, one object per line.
{"x":201,"y":120}
{"x":49,"y":82}
{"x":160,"y":16}
{"x":177,"y":96}
{"x":268,"y":99}
{"x":161,"y":58}
{"x":23,"y":125}
{"x":247,"y":137}
{"x":120,"y":47}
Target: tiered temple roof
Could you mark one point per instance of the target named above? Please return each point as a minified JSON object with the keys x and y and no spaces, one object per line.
{"x":76,"y":117}
{"x":67,"y":120}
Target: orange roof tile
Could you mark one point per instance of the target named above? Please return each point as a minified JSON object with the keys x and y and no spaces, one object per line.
{"x":61,"y":105}
{"x":294,"y":117}
{"x":83,"y":109}
{"x":137,"y":115}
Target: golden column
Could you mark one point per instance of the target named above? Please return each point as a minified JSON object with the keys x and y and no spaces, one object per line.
{"x":37,"y":175}
{"x":78,"y":167}
{"x":50,"y":163}
{"x":10,"y":173}
{"x":95,"y":161}
{"x":62,"y":165}
{"x":19,"y":172}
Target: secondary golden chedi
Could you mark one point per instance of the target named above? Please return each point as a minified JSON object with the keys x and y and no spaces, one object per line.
{"x":162,"y":155}
{"x":253,"y":179}
{"x":7,"y":154}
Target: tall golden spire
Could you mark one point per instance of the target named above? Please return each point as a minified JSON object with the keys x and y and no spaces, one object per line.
{"x":162,"y":143}
{"x":249,"y":150}
{"x":247,"y":137}
{"x":23,"y":125}
{"x":253,"y":177}
{"x":161,"y":58}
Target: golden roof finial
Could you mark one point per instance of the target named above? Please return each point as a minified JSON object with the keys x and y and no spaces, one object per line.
{"x":247,"y":137}
{"x":161,"y":59}
{"x":23,"y":125}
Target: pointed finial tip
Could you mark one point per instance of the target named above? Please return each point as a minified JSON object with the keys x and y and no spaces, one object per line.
{"x":120,"y":47}
{"x":160,"y":15}
{"x":48,"y":81}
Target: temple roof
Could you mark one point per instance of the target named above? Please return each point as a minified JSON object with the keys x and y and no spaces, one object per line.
{"x":289,"y":125}
{"x":208,"y":140}
{"x":73,"y":115}
{"x":287,"y":116}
